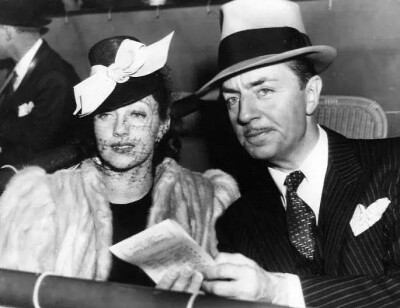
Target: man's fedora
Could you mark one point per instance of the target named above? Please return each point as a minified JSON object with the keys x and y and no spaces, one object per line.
{"x":256,"y":33}
{"x":22,"y":13}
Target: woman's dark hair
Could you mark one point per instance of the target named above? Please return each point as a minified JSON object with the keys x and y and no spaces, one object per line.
{"x":169,"y":145}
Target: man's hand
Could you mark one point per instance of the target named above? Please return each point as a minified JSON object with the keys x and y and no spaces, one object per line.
{"x":238,"y":277}
{"x":184,"y":280}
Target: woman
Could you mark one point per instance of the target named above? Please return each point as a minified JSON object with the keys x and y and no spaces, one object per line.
{"x":65,"y":222}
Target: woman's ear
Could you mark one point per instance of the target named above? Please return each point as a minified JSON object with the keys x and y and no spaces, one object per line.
{"x":162,"y":130}
{"x":312,"y":92}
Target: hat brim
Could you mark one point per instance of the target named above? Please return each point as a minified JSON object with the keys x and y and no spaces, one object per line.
{"x":135,"y":89}
{"x":23,"y":21}
{"x":321,"y":55}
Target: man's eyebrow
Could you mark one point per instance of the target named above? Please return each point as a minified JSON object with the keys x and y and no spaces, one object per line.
{"x":251,"y":84}
{"x":226,"y":89}
{"x":259,"y":82}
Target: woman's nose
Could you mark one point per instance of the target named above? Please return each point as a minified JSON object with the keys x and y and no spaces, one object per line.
{"x":121,"y":127}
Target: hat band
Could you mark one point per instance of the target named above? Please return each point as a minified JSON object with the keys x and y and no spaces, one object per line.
{"x":131,"y":91}
{"x":253,"y":43}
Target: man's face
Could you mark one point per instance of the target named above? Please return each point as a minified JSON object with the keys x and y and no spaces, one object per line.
{"x":126,"y":137}
{"x":267,"y":110}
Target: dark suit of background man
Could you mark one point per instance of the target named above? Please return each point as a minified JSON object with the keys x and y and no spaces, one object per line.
{"x":324,"y":225}
{"x":36,"y":104}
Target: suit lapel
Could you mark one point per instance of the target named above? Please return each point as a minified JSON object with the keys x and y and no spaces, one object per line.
{"x":38,"y":59}
{"x":275,"y":252}
{"x":344,"y":182}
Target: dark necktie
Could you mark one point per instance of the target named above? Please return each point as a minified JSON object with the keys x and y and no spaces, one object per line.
{"x":7,"y":88}
{"x":300,"y":218}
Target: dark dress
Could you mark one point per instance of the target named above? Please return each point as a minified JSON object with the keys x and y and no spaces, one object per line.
{"x":129,"y":219}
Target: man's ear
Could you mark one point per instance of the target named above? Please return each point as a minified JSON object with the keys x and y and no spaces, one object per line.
{"x":162,"y":130}
{"x":9,"y":32}
{"x":312,"y":92}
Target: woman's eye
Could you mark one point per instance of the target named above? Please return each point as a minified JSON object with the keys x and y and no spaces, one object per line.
{"x":104,"y":115}
{"x":139,"y":114}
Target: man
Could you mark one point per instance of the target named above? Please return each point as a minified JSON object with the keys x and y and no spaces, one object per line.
{"x":36,"y":102}
{"x":322,"y":229}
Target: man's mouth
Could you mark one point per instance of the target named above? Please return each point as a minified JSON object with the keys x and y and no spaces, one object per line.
{"x":254,"y":133}
{"x":256,"y":137}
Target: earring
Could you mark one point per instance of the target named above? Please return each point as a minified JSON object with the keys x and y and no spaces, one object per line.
{"x":161,"y":133}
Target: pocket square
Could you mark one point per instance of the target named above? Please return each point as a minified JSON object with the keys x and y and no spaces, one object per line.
{"x":364,"y":218}
{"x":25,"y":109}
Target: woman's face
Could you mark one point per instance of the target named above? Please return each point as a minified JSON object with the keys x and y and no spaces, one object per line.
{"x":126,"y":137}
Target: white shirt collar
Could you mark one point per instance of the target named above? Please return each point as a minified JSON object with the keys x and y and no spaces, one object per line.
{"x":314,"y":168}
{"x":23,"y":65}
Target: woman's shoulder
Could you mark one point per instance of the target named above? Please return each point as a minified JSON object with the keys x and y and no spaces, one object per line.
{"x":34,"y":176}
{"x":169,"y":171}
{"x":25,"y":179}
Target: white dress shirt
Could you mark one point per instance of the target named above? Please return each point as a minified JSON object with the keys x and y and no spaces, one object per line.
{"x":23,"y":65}
{"x":310,"y":191}
{"x":314,"y":170}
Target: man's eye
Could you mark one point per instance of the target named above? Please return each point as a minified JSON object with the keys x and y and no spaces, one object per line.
{"x":231,"y":101}
{"x":264,"y":92}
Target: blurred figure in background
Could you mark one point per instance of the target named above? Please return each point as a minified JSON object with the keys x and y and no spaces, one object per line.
{"x":36,"y":100}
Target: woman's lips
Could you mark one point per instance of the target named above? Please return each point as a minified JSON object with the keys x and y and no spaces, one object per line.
{"x":122,"y":147}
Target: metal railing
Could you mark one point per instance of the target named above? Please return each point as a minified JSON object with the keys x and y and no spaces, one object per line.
{"x":23,"y":289}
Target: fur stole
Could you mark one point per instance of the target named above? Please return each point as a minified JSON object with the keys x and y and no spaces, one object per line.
{"x":61,"y":222}
{"x":193,"y":199}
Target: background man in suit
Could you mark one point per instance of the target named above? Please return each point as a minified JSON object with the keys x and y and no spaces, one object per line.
{"x":322,"y":228}
{"x":36,"y":103}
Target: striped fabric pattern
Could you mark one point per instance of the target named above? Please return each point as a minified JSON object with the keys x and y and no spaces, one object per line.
{"x":362,"y":271}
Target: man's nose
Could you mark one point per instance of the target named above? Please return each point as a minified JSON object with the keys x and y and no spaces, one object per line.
{"x":121,"y":127}
{"x":247,"y":110}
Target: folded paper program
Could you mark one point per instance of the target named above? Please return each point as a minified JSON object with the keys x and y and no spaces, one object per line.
{"x":133,"y":59}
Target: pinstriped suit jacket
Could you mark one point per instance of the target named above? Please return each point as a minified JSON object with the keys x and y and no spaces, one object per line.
{"x":362,"y":271}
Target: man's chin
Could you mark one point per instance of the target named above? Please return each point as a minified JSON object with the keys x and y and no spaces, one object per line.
{"x":261,"y":153}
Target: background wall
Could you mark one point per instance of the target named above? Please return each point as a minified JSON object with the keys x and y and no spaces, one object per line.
{"x":365,"y":32}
